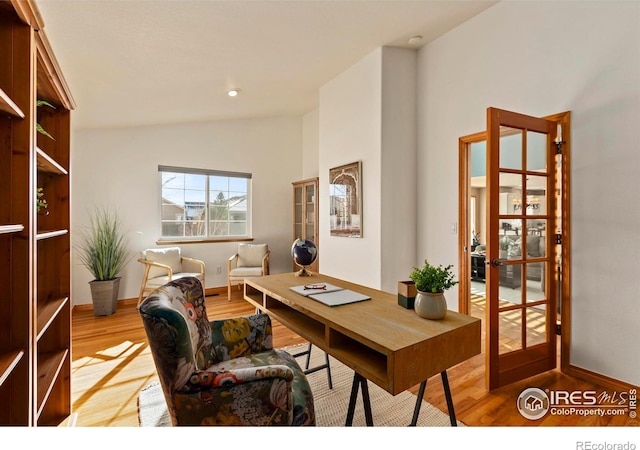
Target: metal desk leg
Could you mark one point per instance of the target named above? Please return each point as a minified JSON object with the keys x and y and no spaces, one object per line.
{"x":447,"y":394}
{"x":326,"y":364}
{"x":359,"y":381}
{"x":416,"y":410}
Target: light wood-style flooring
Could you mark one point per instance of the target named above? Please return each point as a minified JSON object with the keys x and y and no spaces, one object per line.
{"x":112,"y":363}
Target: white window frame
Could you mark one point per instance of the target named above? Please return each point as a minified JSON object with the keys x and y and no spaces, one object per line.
{"x":207,"y":173}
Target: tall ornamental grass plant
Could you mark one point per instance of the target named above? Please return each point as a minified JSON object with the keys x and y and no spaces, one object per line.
{"x":103,"y":247}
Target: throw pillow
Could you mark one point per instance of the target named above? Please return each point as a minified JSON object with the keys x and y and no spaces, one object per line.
{"x":168,"y":256}
{"x":250,"y":255}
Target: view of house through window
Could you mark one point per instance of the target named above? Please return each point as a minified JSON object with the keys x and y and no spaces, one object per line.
{"x":204,"y":204}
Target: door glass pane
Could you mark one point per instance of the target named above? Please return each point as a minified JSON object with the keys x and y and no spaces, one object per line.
{"x":298,"y":195}
{"x":510,"y":331}
{"x":536,"y":152}
{"x":536,"y":196}
{"x":510,"y":242}
{"x":297,"y":220}
{"x":536,"y":326}
{"x":536,"y":227}
{"x":299,"y":213}
{"x":510,"y":194}
{"x":510,"y":148}
{"x":310,"y":194}
{"x":310,"y":218}
{"x":510,"y":290}
{"x":511,"y":278}
{"x":536,"y":281}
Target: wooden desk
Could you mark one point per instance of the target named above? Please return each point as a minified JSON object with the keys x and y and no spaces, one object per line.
{"x":380,"y":340}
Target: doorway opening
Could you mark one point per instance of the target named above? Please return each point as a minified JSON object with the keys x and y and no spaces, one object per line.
{"x":531,"y":222}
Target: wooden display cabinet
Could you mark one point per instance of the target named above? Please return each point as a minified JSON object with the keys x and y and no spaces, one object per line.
{"x":305,"y":215}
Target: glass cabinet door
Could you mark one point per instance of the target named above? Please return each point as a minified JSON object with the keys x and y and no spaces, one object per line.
{"x":305,"y":214}
{"x":310,"y":212}
{"x":297,"y":212}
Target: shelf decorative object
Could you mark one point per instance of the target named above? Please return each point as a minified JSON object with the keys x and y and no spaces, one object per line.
{"x":103,"y":251}
{"x":39,"y":127}
{"x":41,"y":202}
{"x":304,"y":253}
{"x":431,"y":282}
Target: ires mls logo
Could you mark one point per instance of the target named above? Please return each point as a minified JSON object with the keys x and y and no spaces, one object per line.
{"x":534,"y":403}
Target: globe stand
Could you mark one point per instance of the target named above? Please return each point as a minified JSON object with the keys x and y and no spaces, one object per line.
{"x":303,"y":272}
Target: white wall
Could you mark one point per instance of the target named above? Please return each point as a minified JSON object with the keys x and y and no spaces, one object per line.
{"x":310,"y":144}
{"x":398,"y":188}
{"x":367,"y":113}
{"x":350,"y":121}
{"x":541,"y":58}
{"x":119,"y":168}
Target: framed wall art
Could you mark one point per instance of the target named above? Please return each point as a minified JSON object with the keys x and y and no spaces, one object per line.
{"x":345,"y":200}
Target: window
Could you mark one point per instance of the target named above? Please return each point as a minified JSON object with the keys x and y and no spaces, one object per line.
{"x":198,"y":204}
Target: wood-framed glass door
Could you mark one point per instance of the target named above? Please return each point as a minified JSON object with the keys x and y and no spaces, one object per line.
{"x":521,"y":259}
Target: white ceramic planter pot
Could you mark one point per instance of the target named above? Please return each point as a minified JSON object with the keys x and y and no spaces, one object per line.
{"x":430,"y":305}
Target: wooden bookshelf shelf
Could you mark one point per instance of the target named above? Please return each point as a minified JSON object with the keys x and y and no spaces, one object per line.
{"x":49,"y":366}
{"x":6,"y":229}
{"x":48,"y":313}
{"x":51,"y":234}
{"x":7,"y":362}
{"x":9,"y":107}
{"x":49,"y":165}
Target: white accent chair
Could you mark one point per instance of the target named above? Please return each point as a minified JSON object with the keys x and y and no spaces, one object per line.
{"x":251,"y":260}
{"x":162,"y":265}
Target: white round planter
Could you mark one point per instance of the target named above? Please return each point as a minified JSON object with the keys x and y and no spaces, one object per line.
{"x":430,"y":305}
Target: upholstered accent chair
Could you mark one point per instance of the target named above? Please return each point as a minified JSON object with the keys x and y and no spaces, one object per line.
{"x":221,"y":372}
{"x":162,"y":265}
{"x":251,"y":260}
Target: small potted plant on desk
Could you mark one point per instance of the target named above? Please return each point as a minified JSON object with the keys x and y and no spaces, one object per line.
{"x":431,"y":282}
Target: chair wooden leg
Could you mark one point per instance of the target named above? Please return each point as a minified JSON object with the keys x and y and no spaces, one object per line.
{"x":229,"y":291}
{"x":140,"y":294}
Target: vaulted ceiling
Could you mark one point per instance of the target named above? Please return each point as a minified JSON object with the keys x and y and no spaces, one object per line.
{"x":144,"y":62}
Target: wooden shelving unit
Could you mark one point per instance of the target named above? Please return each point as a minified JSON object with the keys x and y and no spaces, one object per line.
{"x":35,"y":248}
{"x":305,"y":215}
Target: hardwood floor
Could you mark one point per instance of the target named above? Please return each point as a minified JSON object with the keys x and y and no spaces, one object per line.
{"x":112,"y":363}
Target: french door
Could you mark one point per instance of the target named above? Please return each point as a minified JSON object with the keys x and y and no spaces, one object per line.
{"x":521,"y":256}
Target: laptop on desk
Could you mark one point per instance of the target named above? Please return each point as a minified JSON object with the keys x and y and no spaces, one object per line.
{"x":329,"y":294}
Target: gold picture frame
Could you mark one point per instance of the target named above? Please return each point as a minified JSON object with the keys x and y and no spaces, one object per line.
{"x":345,"y":200}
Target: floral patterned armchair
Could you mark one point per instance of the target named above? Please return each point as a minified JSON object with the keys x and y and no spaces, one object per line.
{"x":223,"y":372}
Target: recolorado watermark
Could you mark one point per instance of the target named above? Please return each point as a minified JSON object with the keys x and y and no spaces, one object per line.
{"x":535,"y":403}
{"x":589,"y":445}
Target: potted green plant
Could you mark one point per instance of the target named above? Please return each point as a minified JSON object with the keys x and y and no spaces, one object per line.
{"x":431,"y":282}
{"x":39,"y":127}
{"x":103,"y":251}
{"x":41,"y":202}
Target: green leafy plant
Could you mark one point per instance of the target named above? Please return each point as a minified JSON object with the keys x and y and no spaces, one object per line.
{"x":431,"y":278}
{"x":41,"y":202}
{"x":103,"y":247}
{"x":38,"y":126}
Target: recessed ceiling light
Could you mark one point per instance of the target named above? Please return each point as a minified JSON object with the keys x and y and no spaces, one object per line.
{"x":415,"y":40}
{"x":233,"y":92}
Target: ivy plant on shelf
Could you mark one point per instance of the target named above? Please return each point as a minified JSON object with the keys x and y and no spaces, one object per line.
{"x":41,"y":202}
{"x":39,"y":127}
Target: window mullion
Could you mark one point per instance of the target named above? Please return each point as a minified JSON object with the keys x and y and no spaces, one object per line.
{"x":206,"y":207}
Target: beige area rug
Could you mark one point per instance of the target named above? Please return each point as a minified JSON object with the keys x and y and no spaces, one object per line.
{"x":330,"y":404}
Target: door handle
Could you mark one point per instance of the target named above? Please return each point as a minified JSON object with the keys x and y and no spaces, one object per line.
{"x":497,"y":262}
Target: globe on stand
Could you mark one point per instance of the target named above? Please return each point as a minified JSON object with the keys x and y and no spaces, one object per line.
{"x":304,"y":253}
